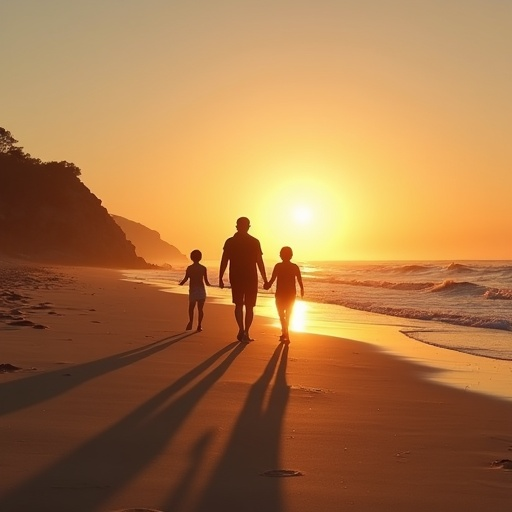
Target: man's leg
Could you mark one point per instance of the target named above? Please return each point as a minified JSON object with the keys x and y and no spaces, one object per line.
{"x":237,"y":294}
{"x":251,"y":292}
{"x":239,"y":317}
{"x":249,"y":315}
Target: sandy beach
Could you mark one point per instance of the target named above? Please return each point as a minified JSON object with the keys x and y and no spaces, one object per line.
{"x":108,"y":404}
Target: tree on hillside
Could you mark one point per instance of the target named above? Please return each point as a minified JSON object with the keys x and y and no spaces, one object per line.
{"x":63,"y":165}
{"x":8,"y":148}
{"x":48,"y":214}
{"x":7,"y":144}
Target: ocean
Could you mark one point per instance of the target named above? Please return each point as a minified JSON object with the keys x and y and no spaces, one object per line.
{"x":460,"y":306}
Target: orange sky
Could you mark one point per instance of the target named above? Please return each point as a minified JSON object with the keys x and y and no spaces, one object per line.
{"x":349,"y":130}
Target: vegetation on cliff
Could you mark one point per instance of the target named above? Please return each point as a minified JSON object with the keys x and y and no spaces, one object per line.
{"x":48,"y":214}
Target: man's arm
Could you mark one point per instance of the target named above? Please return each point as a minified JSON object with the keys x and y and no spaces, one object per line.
{"x":272,"y":279}
{"x":222,"y":269}
{"x":261,"y":268}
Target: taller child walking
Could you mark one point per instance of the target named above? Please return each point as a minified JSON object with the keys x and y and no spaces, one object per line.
{"x":286,"y":273}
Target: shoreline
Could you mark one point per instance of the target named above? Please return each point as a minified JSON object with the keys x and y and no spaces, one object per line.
{"x":119,"y":407}
{"x":479,"y":374}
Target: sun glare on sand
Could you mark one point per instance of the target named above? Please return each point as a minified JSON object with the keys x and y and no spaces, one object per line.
{"x":299,"y":316}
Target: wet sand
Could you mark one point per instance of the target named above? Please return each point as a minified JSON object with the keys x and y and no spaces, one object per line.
{"x":113,"y":405}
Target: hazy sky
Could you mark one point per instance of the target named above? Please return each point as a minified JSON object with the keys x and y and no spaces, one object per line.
{"x":348,"y":129}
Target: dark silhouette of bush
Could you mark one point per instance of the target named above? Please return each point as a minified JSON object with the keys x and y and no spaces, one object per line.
{"x":48,"y":214}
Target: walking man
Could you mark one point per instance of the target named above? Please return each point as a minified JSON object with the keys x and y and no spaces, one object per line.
{"x":243,"y":252}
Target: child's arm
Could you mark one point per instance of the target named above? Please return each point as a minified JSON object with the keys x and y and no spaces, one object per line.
{"x":272,"y":279}
{"x":206,"y":277}
{"x":185,"y":279}
{"x":299,"y":280}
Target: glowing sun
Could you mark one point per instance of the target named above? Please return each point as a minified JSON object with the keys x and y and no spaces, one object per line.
{"x":302,"y":215}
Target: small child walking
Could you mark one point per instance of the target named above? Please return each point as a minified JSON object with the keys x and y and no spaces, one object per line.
{"x":197,"y":292}
{"x":287,"y":275}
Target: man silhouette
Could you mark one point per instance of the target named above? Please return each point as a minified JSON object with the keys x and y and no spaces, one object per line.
{"x":243,"y":252}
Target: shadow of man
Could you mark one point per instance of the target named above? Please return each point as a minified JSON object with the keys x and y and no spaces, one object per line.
{"x":101,"y":466}
{"x":254,"y":447}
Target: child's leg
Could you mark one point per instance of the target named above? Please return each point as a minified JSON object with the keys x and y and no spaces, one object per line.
{"x":191,"y":306}
{"x":282,"y":318}
{"x":200,"y":305}
{"x":288,"y":309}
{"x":286,"y":321}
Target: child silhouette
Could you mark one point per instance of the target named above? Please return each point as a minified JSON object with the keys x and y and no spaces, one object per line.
{"x":197,"y":292}
{"x":287,"y":275}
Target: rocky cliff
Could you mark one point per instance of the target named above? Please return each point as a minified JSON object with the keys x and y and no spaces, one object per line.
{"x":149,"y":244}
{"x":48,"y":214}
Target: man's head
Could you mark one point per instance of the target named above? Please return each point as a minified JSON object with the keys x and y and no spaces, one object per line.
{"x":243,"y":224}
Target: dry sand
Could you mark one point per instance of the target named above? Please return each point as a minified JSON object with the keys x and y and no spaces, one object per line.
{"x":115,"y":406}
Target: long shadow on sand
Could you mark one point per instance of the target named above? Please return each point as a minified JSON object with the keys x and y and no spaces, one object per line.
{"x":105,"y":464}
{"x":18,"y":394}
{"x":254,"y":447}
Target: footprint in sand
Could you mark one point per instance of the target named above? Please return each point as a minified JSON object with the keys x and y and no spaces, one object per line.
{"x":8,"y":368}
{"x":27,"y":323}
{"x":502,"y":464}
{"x":22,"y":323}
{"x":282,"y":473}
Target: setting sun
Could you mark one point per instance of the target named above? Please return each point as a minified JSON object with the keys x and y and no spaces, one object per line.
{"x":302,"y":215}
{"x":301,"y":211}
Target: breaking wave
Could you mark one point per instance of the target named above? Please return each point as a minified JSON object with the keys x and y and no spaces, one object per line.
{"x":436,"y":316}
{"x":498,"y":294}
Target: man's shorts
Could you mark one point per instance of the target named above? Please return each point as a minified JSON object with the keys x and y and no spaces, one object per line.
{"x":244,"y":293}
